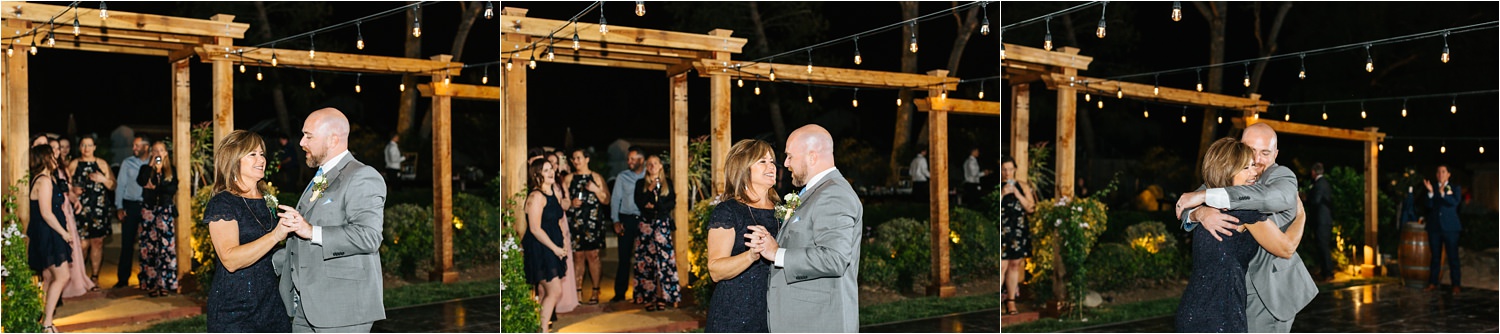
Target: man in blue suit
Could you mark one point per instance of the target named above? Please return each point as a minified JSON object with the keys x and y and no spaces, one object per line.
{"x":1443,"y":228}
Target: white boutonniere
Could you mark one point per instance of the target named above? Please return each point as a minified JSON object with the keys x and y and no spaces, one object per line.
{"x":1448,"y":189}
{"x":272,"y":203}
{"x":788,"y":205}
{"x":319,"y":184}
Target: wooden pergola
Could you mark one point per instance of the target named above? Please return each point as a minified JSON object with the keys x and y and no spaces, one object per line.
{"x":676,"y":53}
{"x":1058,"y":70}
{"x":212,"y":41}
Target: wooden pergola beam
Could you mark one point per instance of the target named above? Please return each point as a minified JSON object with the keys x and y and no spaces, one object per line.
{"x":542,"y":28}
{"x":567,"y":55}
{"x":331,"y":61}
{"x":1021,"y":55}
{"x":1145,"y":92}
{"x":521,"y":62}
{"x":107,"y":48}
{"x":832,"y":76}
{"x":961,"y":106}
{"x":461,"y":91}
{"x":122,"y":20}
{"x":522,"y":50}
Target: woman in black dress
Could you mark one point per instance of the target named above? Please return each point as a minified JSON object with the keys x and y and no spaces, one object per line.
{"x":244,"y":296}
{"x":544,"y":245}
{"x":655,"y":259}
{"x":739,"y":298}
{"x":94,"y":220}
{"x":589,"y":195}
{"x":1214,"y":300}
{"x":158,"y":234}
{"x":1017,"y":202}
{"x":50,"y":246}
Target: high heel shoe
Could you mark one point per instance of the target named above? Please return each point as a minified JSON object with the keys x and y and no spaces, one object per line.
{"x":50,"y":329}
{"x":595,"y":299}
{"x":1010,"y":306}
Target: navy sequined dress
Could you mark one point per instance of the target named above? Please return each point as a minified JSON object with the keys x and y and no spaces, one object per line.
{"x":246,"y":300}
{"x":1214,"y":301}
{"x":739,"y":303}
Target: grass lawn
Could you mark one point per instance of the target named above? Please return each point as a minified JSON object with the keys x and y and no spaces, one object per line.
{"x":925,"y":307}
{"x":409,"y":295}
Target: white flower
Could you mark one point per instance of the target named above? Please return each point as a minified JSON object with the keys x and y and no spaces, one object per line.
{"x":1058,"y":223}
{"x":1077,"y":208}
{"x":1083,"y":225}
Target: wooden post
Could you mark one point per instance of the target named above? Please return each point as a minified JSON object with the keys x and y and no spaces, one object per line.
{"x":1067,"y":101}
{"x":679,"y":104}
{"x":17,"y":127}
{"x":182,"y":143}
{"x":442,"y":178}
{"x":513,"y":152}
{"x":719,"y":116}
{"x":1372,"y":206}
{"x":937,"y":122}
{"x":1020,"y":128}
{"x":223,"y":85}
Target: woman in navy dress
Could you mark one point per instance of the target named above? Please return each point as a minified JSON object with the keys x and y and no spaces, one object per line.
{"x":244,"y":296}
{"x":51,"y":246}
{"x":739,"y":296}
{"x":1214,"y":300}
{"x":544,"y":246}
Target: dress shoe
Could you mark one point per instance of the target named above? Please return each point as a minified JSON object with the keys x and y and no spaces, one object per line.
{"x":1430,"y":288}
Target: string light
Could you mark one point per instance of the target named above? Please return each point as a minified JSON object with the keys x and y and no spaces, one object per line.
{"x":757,"y":88}
{"x":1101,"y":104}
{"x":358,"y":76}
{"x":51,"y":38}
{"x":1047,"y":40}
{"x":402,"y":87}
{"x":1302,"y":73}
{"x":603,"y":27}
{"x":1176,"y":11}
{"x":1403,"y":108}
{"x":1381,"y":147}
{"x":103,"y":11}
{"x":1443,"y":149}
{"x":360,"y":41}
{"x":1325,"y":112}
{"x":242,"y":67}
{"x":447,"y":81}
{"x":984,"y":26}
{"x":740,"y":82}
{"x":1288,"y":116}
{"x":10,"y":50}
{"x":1369,"y":60}
{"x":773,"y":71}
{"x":1146,"y":113}
{"x":858,"y":59}
{"x":258,"y":75}
{"x":913,"y":36}
{"x":1086,"y":97}
{"x":489,"y":10}
{"x":1255,"y":116}
{"x":273,"y":56}
{"x":575,"y":37}
{"x":981,"y":90}
{"x":1453,"y":108}
{"x":1247,"y":75}
{"x":856,"y":97}
{"x":486,"y":78}
{"x":809,"y":60}
{"x":898,"y":101}
{"x":416,"y":24}
{"x":1445,"y":47}
{"x":1156,"y":86}
{"x":1119,"y":92}
{"x":640,"y":8}
{"x":76,"y":30}
{"x":33,"y":46}
{"x":944,"y":96}
{"x":551,"y":56}
{"x":1361,"y":110}
{"x":1102,"y":9}
{"x":311,"y":44}
{"x":1200,"y":79}
{"x":532,"y":63}
{"x":1409,"y":148}
{"x":510,"y":62}
{"x":311,"y":83}
{"x":809,"y":94}
{"x":1184,"y":114}
{"x":1221,"y":119}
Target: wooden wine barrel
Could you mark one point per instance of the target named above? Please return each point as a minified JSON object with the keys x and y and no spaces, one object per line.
{"x":1416,"y":255}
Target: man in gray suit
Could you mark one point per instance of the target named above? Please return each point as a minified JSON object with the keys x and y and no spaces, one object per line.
{"x":330,"y":273}
{"x":1277,"y":288}
{"x":814,"y":282}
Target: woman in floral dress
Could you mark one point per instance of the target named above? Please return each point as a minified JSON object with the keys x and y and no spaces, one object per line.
{"x":158,"y":235}
{"x":94,"y":220}
{"x":589,"y":195}
{"x":655,"y":261}
{"x":1016,"y":202}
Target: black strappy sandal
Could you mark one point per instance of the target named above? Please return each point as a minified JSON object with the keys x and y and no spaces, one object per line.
{"x":595,"y":299}
{"x":1011,"y":309}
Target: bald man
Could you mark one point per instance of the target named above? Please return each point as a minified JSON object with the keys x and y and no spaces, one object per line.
{"x":1276,"y":288}
{"x":814,"y":282}
{"x":330,"y":273}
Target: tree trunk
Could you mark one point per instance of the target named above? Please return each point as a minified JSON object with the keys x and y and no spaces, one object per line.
{"x":468,"y":13}
{"x":905,"y":111}
{"x":1268,"y":45}
{"x":1216,"y":13}
{"x":764,"y":48}
{"x":278,"y":98}
{"x":408,"y":107}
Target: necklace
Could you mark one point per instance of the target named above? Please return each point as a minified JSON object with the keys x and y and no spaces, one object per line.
{"x":258,"y":223}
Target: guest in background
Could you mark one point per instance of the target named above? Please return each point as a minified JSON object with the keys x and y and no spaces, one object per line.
{"x":1016,"y":203}
{"x":50,"y":245}
{"x":589,"y":195}
{"x":129,"y":206}
{"x":1322,"y":222}
{"x":62,"y":179}
{"x":972,"y":190}
{"x":544,"y":246}
{"x":656,"y":261}
{"x":1443,"y":229}
{"x":919,"y":175}
{"x":92,"y":175}
{"x":158,"y":235}
{"x":66,"y":147}
{"x":627,"y":218}
{"x":393,"y":160}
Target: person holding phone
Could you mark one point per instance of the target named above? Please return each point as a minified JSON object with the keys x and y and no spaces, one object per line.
{"x":158,"y":234}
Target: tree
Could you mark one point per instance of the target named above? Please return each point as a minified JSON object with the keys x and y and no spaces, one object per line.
{"x":1216,"y":13}
{"x":413,"y":49}
{"x":905,"y":111}
{"x":278,"y":96}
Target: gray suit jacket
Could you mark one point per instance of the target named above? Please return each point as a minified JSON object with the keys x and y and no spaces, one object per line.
{"x":1283,"y":285}
{"x":818,"y":289}
{"x":339,"y":280}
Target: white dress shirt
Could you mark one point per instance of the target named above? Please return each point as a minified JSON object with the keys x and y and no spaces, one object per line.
{"x":971,"y":170}
{"x":781,"y":252}
{"x":918,"y":170}
{"x":327,"y":167}
{"x":393,"y":158}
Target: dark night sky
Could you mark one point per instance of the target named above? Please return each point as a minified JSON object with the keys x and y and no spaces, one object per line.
{"x":602,"y":104}
{"x":103,"y":90}
{"x":1142,"y":38}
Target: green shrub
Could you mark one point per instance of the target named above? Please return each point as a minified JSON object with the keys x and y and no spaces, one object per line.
{"x":22,"y":302}
{"x":896,"y":254}
{"x":519,"y":313}
{"x":1114,"y":266}
{"x":974,"y":249}
{"x":408,"y":239}
{"x":698,"y":279}
{"x":476,"y":229}
{"x":1149,"y":252}
{"x":878,"y":213}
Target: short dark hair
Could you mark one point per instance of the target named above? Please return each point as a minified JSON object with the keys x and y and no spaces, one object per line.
{"x":1006,"y":158}
{"x":534,"y":152}
{"x":144,"y":138}
{"x":636,"y":149}
{"x":1317,"y":168}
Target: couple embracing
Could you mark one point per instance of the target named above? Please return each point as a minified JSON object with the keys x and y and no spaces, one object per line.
{"x":327,"y":277}
{"x":798,"y":267}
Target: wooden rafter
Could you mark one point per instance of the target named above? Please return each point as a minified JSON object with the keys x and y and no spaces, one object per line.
{"x":827,"y":75}
{"x":678,"y":55}
{"x":961,"y":106}
{"x":333,"y":61}
{"x":1168,"y":94}
{"x":568,"y":54}
{"x":121,"y":20}
{"x":462,"y":91}
{"x":1023,"y":56}
{"x":539,"y":27}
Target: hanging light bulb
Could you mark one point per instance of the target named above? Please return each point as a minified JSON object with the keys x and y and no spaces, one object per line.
{"x":1445,"y":45}
{"x":1255,"y":116}
{"x":1221,"y":119}
{"x":898,"y":102}
{"x":358,"y":76}
{"x":1119,"y":92}
{"x":1369,"y":61}
{"x":242,"y":67}
{"x":640,"y":8}
{"x":1409,"y":148}
{"x":1002,"y":47}
{"x":1101,"y":104}
{"x":913,"y":41}
{"x":311,"y":44}
{"x":1403,"y":108}
{"x":1146,"y":113}
{"x":984,"y":26}
{"x":1381,"y":147}
{"x":1247,"y":75}
{"x":981,"y":90}
{"x":576,"y":46}
{"x":273,"y":58}
{"x":509,"y":62}
{"x":1325,"y":112}
{"x":1047,"y":40}
{"x":359,"y":42}
{"x":1100,"y":31}
{"x":1361,"y":110}
{"x":1184,"y":114}
{"x":532,"y":63}
{"x":809,"y":60}
{"x":740,"y":82}
{"x":944,"y":96}
{"x":1156,"y":86}
{"x":51,"y":39}
{"x":103,"y":11}
{"x":856,"y":98}
{"x":1444,"y":148}
{"x":258,"y":75}
{"x":76,"y":29}
{"x":603,"y":26}
{"x":402,"y":87}
{"x":447,"y":81}
{"x":1302,"y":72}
{"x":809,"y":94}
{"x":10,"y":50}
{"x":551,"y":56}
{"x":757,"y":88}
{"x":1453,"y":108}
{"x":773,"y":72}
{"x":1176,"y":11}
{"x":1288,"y":116}
{"x":485,"y":80}
{"x":416,"y":23}
{"x":310,"y":82}
{"x":489,"y":10}
{"x":858,"y":59}
{"x":33,"y":46}
{"x":1086,"y":97}
{"x":1200,"y":80}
